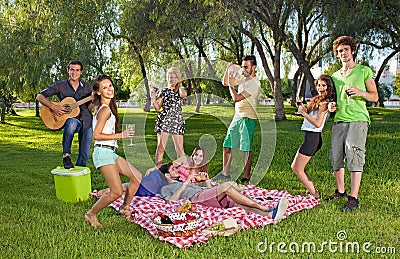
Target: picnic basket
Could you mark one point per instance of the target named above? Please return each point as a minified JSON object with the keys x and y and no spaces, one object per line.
{"x":185,"y":229}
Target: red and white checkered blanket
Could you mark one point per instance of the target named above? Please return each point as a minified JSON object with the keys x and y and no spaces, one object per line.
{"x":144,"y":208}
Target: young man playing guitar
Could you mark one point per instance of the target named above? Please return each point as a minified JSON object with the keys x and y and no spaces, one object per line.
{"x":82,"y":123}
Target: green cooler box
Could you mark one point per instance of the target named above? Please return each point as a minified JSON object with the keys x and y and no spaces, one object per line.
{"x":72,"y":185}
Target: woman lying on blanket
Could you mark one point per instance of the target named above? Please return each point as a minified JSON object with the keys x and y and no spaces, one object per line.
{"x":151,"y":184}
{"x":220,"y":196}
{"x":197,"y":164}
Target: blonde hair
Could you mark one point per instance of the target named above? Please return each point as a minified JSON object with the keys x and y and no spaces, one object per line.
{"x":177,"y":72}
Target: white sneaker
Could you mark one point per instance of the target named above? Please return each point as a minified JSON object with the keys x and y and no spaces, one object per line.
{"x":279,"y":211}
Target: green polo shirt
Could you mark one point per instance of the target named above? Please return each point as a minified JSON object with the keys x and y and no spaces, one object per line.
{"x":357,"y":111}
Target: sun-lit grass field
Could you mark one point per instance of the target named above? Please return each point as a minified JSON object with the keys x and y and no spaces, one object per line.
{"x":35,"y":224}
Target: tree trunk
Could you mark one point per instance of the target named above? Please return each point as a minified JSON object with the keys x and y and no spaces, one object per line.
{"x":294,"y":88}
{"x":261,"y":52}
{"x":301,"y":91}
{"x":203,"y":55}
{"x":37,"y":108}
{"x":198,"y":100}
{"x":146,"y":81}
{"x":303,"y":66}
{"x":279,"y":108}
{"x":378,"y":76}
{"x":3,"y":110}
{"x":381,"y":99}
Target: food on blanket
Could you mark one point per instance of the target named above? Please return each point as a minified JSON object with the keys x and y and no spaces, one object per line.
{"x":186,"y":219}
{"x":185,"y":224}
{"x":217,"y":227}
{"x":193,"y":208}
{"x":225,"y":228}
{"x":198,"y":178}
{"x":230,"y":223}
{"x":187,"y":207}
{"x":165,"y":219}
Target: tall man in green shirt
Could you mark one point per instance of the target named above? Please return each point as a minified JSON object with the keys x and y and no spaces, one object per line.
{"x":354,"y":87}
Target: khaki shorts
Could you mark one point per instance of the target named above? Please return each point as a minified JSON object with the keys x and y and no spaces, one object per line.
{"x":348,"y":142}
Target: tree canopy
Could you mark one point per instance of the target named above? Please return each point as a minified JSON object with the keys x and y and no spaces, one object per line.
{"x":132,"y":39}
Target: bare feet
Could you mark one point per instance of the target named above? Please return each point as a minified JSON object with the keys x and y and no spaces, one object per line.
{"x":127,"y":214}
{"x":93,"y":221}
{"x":103,"y":192}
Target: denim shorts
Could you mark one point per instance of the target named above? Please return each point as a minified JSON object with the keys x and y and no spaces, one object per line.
{"x":348,"y":141}
{"x":240,"y":134}
{"x":103,"y":156}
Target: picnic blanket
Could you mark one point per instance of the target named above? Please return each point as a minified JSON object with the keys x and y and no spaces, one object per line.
{"x":144,"y":208}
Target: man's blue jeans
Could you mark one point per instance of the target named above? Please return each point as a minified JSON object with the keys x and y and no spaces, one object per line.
{"x":85,"y":137}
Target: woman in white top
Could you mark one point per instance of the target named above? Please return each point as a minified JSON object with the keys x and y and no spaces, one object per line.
{"x":111,"y":165}
{"x":315,"y":115}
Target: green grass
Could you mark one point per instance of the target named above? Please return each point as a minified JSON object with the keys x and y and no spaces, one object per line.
{"x":35,"y":224}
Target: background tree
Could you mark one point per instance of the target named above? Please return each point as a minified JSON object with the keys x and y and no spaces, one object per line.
{"x":190,"y":36}
{"x":374,"y":24}
{"x":396,"y":85}
{"x":385,"y":35}
{"x":131,"y":40}
{"x":267,"y":25}
{"x":42,"y":37}
{"x":308,"y":41}
{"x":24,"y":48}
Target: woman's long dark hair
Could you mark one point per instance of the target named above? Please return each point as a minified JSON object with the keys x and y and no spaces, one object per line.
{"x":97,"y":98}
{"x":203,"y":167}
{"x":330,"y":96}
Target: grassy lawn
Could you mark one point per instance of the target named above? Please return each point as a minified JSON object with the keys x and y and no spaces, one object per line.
{"x":35,"y":224}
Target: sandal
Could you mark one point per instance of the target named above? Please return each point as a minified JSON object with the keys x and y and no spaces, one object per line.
{"x":127,"y":214}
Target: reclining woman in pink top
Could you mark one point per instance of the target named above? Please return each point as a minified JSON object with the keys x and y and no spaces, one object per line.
{"x":221,"y":196}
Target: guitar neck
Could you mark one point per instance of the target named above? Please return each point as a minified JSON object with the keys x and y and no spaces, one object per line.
{"x":80,"y":102}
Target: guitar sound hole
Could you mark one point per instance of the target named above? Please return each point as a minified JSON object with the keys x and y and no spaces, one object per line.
{"x":67,"y":108}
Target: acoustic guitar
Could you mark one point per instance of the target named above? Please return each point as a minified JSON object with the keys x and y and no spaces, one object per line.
{"x":55,"y":122}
